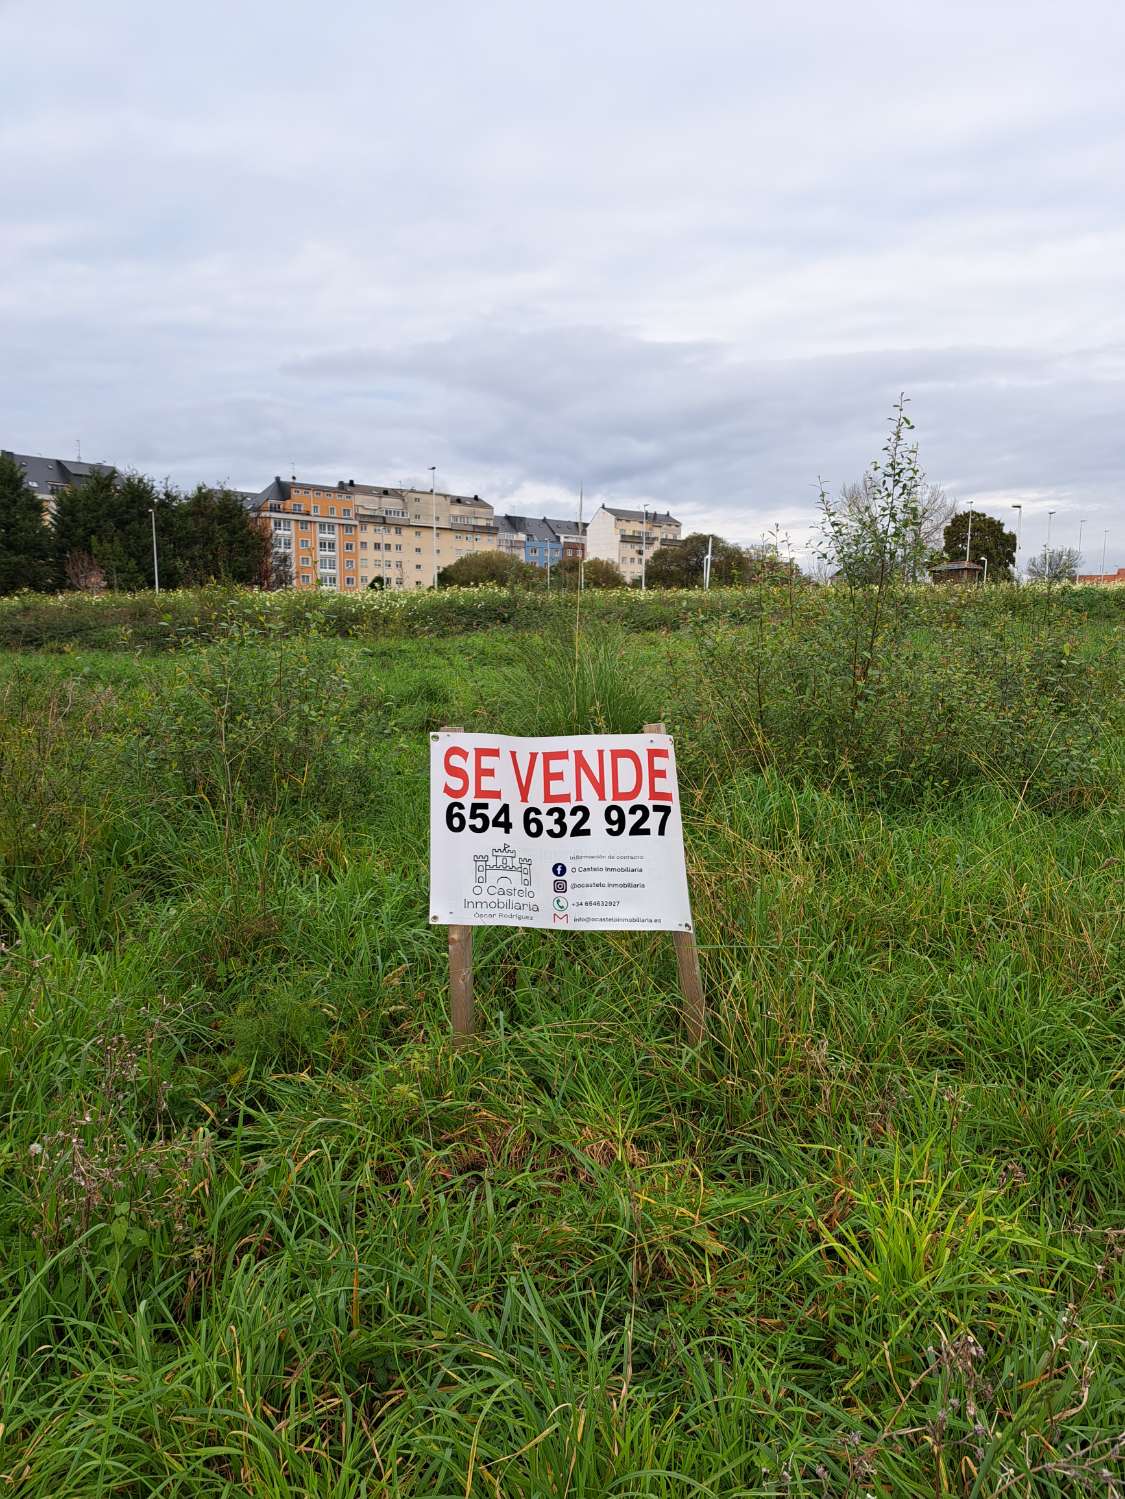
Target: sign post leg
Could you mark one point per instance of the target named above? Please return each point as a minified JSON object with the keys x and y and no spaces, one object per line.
{"x":462,"y":1008}
{"x":461,"y":1005}
{"x":687,"y":966}
{"x":691,"y":986}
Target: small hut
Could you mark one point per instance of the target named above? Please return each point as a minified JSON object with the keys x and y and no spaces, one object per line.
{"x":956,"y":572}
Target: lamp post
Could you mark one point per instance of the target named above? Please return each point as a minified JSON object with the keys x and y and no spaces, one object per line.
{"x":984,"y":580}
{"x":644,"y":544}
{"x":433,"y":514}
{"x":1105,"y":540}
{"x":707,"y":564}
{"x":969,"y":536}
{"x":155,"y":559}
{"x":1081,"y":525}
{"x":1019,"y":538}
{"x":1049,"y":514}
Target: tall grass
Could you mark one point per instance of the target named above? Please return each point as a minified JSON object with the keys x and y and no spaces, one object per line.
{"x":264,"y":1231}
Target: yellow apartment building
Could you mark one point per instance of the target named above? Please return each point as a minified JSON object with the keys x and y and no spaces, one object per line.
{"x":349,"y":536}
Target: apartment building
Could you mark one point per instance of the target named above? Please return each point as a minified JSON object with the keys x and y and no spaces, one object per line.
{"x":408,"y":535}
{"x":624,"y":537}
{"x":544,"y":542}
{"x":315,"y":526}
{"x":48,"y":477}
{"x":351,"y":536}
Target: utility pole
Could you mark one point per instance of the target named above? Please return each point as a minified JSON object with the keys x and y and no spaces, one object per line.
{"x":155,"y":559}
{"x":433,"y":514}
{"x":644,"y":544}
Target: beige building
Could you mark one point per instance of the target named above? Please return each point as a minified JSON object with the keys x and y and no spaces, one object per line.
{"x":624,"y":537}
{"x":349,"y":536}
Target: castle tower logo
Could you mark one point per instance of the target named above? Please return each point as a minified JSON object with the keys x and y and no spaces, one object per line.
{"x":503,"y":869}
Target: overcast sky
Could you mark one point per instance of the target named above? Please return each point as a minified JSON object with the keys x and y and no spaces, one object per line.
{"x":682,"y":253}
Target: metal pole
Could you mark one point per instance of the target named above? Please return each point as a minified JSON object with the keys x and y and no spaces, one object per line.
{"x":1081,"y":524}
{"x":1019,"y":536}
{"x":1049,"y":514}
{"x":985,"y":561}
{"x":1105,"y":539}
{"x":644,"y":544}
{"x":433,"y":514}
{"x":155,"y":559}
{"x":969,"y":537}
{"x":707,"y":564}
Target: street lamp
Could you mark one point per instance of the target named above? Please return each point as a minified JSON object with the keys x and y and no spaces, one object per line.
{"x":1019,"y":536}
{"x":433,"y":514}
{"x":155,"y":559}
{"x":969,"y":536}
{"x":1049,"y":514}
{"x":644,"y":544}
{"x":1081,"y":524}
{"x":984,"y":580}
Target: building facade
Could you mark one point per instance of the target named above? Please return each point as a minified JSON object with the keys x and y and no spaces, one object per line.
{"x":542,"y":543}
{"x":352,"y":536}
{"x":627,"y":538}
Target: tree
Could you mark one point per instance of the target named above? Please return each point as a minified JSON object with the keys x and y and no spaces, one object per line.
{"x":83,"y":573}
{"x":679,"y":564}
{"x":210,"y":537}
{"x":490,"y":567}
{"x":935,"y":508}
{"x":281,"y":570}
{"x":989,"y":539}
{"x":595,"y":572}
{"x":27,"y":558}
{"x":108,"y":517}
{"x":1057,"y":565}
{"x":875,"y":536}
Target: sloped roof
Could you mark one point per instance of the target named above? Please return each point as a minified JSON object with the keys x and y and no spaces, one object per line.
{"x":641,"y":516}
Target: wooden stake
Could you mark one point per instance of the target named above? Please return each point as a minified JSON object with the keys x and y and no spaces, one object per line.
{"x":462,"y":1008}
{"x":687,"y":966}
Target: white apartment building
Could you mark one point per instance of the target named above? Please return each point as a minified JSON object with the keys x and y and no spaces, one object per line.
{"x":623,"y":537}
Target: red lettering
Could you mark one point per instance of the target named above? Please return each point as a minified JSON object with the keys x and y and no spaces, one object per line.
{"x":582,"y":767}
{"x":486,"y":793}
{"x":524,"y":782}
{"x":619,"y":793}
{"x":551,"y":776}
{"x":657,"y":774}
{"x":461,"y":786}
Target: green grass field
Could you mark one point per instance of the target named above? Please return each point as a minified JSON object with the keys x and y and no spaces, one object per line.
{"x":263,"y":1231}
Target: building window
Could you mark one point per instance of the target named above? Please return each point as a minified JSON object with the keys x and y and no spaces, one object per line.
{"x":350,"y":582}
{"x":305,"y":542}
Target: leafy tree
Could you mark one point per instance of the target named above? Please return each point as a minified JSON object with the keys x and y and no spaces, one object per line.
{"x":1057,"y":565}
{"x":211,"y":537}
{"x":878,"y":538}
{"x":679,"y":564}
{"x":490,"y":567}
{"x":989,"y":539}
{"x":596,"y":572}
{"x":108,"y":518}
{"x":27,"y":558}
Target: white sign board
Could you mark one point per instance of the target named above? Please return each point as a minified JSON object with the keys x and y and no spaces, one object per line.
{"x":576,"y":834}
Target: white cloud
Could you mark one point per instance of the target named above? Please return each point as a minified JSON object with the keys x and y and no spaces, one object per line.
{"x":689,"y":255}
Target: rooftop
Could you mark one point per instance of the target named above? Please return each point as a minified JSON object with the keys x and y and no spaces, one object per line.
{"x":641,"y":517}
